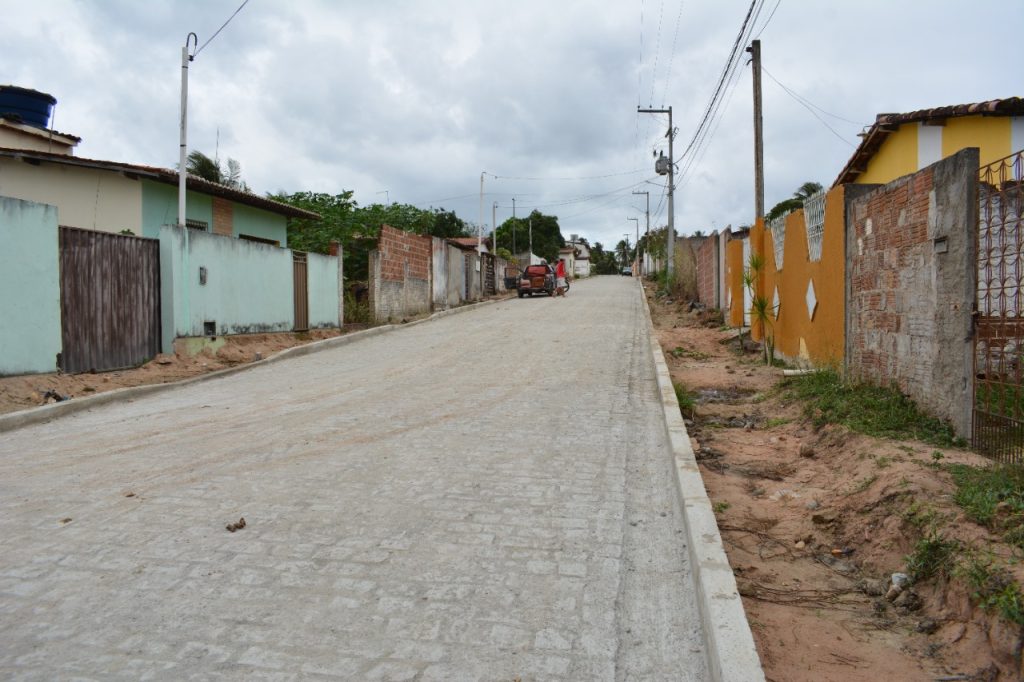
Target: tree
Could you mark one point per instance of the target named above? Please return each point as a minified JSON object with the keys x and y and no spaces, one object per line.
{"x":201,"y":165}
{"x":802,"y":194}
{"x":547,"y":236}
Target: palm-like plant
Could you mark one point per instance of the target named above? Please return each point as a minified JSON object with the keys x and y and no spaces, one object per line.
{"x":201,"y":165}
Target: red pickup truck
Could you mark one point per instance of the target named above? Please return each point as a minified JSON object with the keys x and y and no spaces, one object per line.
{"x":536,"y":279}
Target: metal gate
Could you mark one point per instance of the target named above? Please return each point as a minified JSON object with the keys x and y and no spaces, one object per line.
{"x":998,"y":425}
{"x":109,"y":300}
{"x":489,"y":288}
{"x":300,"y":282}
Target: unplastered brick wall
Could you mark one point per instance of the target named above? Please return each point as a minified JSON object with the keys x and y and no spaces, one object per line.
{"x":223,"y":217}
{"x":403,"y":255}
{"x":400,"y":271}
{"x":707,"y":270}
{"x":910,"y":285}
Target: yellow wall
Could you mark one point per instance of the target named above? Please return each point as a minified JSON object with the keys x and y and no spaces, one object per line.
{"x":895,"y":158}
{"x":819,"y":340}
{"x":991,"y":134}
{"x":86,"y":198}
{"x":898,"y":155}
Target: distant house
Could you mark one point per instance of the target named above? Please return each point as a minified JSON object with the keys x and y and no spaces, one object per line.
{"x":581,"y":256}
{"x":471,"y":243}
{"x":901,"y":144}
{"x":110,"y":196}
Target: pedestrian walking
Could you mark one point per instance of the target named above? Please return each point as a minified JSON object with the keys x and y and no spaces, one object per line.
{"x":560,"y":278}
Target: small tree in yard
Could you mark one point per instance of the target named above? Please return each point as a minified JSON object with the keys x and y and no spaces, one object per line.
{"x":760,"y":307}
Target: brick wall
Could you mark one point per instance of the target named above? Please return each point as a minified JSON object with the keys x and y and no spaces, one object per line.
{"x":223,"y":217}
{"x":707,"y":270}
{"x":403,"y":255}
{"x":400,"y":271}
{"x":910,"y":285}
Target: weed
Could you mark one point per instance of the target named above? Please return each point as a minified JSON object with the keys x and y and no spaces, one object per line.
{"x":356,"y":312}
{"x":883,"y":462}
{"x":920,"y":515}
{"x":980,"y":490}
{"x":681,"y":352}
{"x":993,"y":587}
{"x":863,"y":485}
{"x":720,"y":507}
{"x":933,"y":556}
{"x":776,"y":421}
{"x":872,"y":410}
{"x":687,"y":402}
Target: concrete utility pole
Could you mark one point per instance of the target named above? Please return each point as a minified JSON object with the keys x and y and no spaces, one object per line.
{"x":648,"y":214}
{"x":480,"y":225}
{"x":670,"y":241}
{"x":514,"y":252}
{"x":183,"y":141}
{"x":494,"y":227}
{"x":755,"y":60}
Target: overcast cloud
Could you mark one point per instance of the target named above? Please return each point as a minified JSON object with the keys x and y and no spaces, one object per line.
{"x":418,"y":98}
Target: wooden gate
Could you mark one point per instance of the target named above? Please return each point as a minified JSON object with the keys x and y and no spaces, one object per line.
{"x":998,"y":428}
{"x":109,"y":300}
{"x":300,"y":281}
{"x":489,"y":288}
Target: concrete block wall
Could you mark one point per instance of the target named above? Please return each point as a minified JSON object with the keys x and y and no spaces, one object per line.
{"x":400,"y":274}
{"x":911,"y":263}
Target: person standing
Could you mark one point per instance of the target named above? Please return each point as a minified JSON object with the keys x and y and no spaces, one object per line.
{"x":560,"y":278}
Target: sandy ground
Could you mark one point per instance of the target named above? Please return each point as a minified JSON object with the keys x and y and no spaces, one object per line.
{"x":816,"y":521}
{"x":27,"y":391}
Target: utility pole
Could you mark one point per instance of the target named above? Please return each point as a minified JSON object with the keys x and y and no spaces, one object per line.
{"x":480,"y":225}
{"x":514,"y":252}
{"x":648,"y":214}
{"x":494,"y":227}
{"x":670,"y":241}
{"x":183,"y":142}
{"x":636,"y":258}
{"x":530,"y":257}
{"x":755,"y":60}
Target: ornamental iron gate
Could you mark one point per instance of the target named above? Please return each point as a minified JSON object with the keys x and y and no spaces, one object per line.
{"x":999,"y":331}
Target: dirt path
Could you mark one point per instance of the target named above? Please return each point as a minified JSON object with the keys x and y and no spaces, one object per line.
{"x":816,"y":521}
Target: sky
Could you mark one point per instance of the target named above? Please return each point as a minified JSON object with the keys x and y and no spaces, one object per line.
{"x":414,"y":101}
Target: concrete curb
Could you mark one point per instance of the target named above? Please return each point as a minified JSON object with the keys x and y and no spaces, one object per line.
{"x":36,"y":415}
{"x":731,"y":654}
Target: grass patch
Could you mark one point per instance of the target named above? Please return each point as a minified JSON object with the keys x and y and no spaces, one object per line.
{"x":863,"y":485}
{"x":681,"y":352}
{"x":933,"y":556}
{"x":776,"y":421}
{"x":687,"y":401}
{"x":871,"y":410}
{"x":993,"y":588}
{"x":994,"y":497}
{"x":720,"y":507}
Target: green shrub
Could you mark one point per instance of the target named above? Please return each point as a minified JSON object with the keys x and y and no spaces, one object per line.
{"x":933,"y":555}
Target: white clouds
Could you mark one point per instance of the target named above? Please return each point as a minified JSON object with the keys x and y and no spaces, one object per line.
{"x":420,"y":97}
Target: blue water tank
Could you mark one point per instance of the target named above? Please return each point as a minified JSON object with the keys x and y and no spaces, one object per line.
{"x":30,"y":106}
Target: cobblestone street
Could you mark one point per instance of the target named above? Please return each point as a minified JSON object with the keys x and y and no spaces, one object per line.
{"x":485,"y":496}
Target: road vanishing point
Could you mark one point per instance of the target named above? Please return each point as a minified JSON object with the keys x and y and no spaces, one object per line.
{"x":484,"y":496}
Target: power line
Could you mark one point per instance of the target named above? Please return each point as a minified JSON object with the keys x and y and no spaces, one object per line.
{"x":778,"y":2}
{"x":581,"y":177}
{"x":657,"y":52}
{"x":801,"y":98}
{"x":244,"y":3}
{"x":807,"y":105}
{"x":672,"y":56}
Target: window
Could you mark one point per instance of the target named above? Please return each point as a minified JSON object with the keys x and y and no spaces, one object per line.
{"x":814,"y":219}
{"x":778,"y":229}
{"x":201,"y":225}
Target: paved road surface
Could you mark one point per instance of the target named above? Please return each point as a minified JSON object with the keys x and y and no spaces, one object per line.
{"x":486,"y":496}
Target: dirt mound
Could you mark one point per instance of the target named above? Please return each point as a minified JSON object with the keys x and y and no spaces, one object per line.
{"x":817,"y":521}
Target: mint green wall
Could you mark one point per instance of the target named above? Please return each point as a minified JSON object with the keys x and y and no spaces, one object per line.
{"x":160,"y":207}
{"x":256,"y":222}
{"x":30,"y":332}
{"x":248,"y":285}
{"x":322,"y":276}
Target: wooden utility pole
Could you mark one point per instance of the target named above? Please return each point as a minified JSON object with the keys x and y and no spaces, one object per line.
{"x":755,"y":61}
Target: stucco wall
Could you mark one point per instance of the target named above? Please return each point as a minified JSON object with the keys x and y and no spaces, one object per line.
{"x":248,"y":285}
{"x":322,"y":277}
{"x":809,"y":324}
{"x":84,"y":197}
{"x":911,"y":286}
{"x":160,"y":207}
{"x":30,"y":335}
{"x":734,"y":276}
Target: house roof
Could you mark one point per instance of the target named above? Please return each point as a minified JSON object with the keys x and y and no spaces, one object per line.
{"x":164,"y":175}
{"x":467,"y":242}
{"x":9,"y":121}
{"x":889,"y":123}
